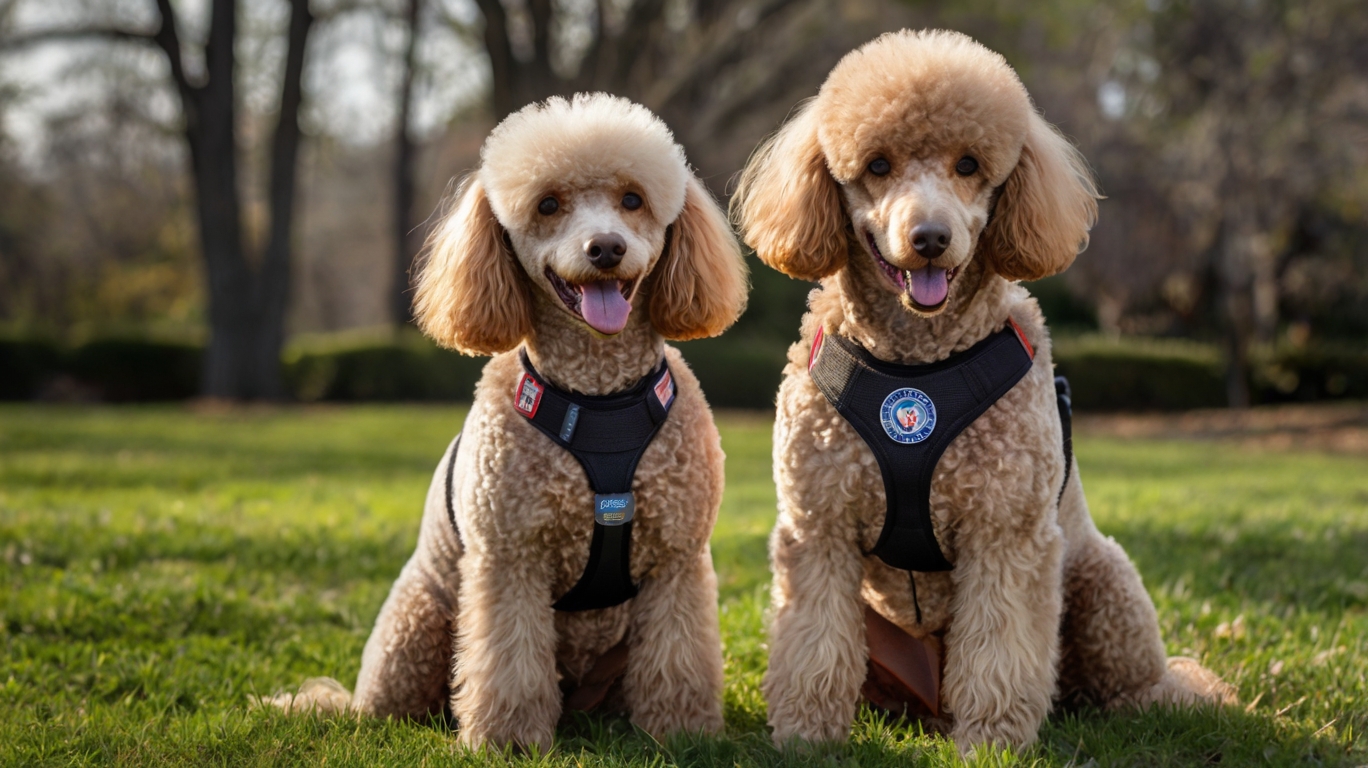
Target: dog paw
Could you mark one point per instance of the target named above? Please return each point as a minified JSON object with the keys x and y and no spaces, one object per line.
{"x":317,"y":694}
{"x":974,"y":739}
{"x":518,"y":741}
{"x":1187,"y":682}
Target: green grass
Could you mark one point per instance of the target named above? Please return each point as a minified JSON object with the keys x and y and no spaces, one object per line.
{"x":160,"y":566}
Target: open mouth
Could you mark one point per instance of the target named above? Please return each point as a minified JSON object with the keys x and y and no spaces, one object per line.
{"x":603,"y":304}
{"x":927,"y":288}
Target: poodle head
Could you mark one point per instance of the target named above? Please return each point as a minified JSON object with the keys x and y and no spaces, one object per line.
{"x":921,"y":152}
{"x":590,"y":201}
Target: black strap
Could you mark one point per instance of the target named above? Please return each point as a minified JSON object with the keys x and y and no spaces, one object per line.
{"x":1064,"y":399}
{"x":949,"y":395}
{"x":607,"y":435}
{"x":451,"y":469}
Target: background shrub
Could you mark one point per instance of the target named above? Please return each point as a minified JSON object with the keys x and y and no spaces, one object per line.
{"x":1131,"y":374}
{"x":24,"y":365}
{"x":129,"y":370}
{"x":378,"y":367}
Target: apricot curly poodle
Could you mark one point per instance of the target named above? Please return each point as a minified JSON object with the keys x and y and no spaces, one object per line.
{"x":585,"y":241}
{"x":918,"y":187}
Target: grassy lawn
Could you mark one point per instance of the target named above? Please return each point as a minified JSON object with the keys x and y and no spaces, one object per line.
{"x":161,"y":565}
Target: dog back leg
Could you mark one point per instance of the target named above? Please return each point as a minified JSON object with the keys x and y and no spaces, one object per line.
{"x":1111,"y":650}
{"x":406,"y":667}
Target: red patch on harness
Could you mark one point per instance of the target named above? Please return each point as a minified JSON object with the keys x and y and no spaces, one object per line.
{"x":527,"y":397}
{"x":817,"y":342}
{"x":1030,"y":350}
{"x":665,"y":390}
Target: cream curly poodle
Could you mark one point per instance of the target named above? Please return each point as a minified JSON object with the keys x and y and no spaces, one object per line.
{"x":583,"y":241}
{"x":918,"y":187}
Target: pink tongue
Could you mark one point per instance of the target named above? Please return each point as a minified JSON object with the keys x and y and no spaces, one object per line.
{"x":604,"y":307}
{"x":929,"y":286}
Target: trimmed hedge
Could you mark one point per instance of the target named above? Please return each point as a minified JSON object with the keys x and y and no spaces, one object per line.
{"x":111,"y":370}
{"x":25,"y":365}
{"x":379,"y":368}
{"x":738,"y":371}
{"x":1320,"y":372}
{"x":1140,"y":374}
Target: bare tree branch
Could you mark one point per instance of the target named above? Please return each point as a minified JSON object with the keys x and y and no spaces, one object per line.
{"x":502,"y":66}
{"x":729,"y":42}
{"x":18,"y":42}
{"x":168,"y":40}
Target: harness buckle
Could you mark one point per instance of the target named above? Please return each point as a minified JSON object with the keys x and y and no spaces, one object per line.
{"x":614,"y":508}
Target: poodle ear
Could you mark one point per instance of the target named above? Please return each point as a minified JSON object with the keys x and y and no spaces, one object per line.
{"x":1044,"y":210}
{"x":471,"y":296}
{"x":788,"y":206}
{"x":698,"y":288}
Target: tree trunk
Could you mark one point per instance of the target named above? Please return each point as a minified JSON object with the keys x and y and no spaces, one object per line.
{"x":272,"y":285}
{"x":503,"y":68}
{"x":211,"y":132}
{"x":246,"y":309}
{"x":407,"y":239}
{"x":1235,"y":278}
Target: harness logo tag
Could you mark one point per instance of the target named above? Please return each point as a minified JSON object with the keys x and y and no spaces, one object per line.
{"x":614,"y":508}
{"x":665,"y":389}
{"x":528,"y":396}
{"x":908,"y":415}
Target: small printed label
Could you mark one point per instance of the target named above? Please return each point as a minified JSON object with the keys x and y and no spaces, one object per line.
{"x":568,"y":426}
{"x":528,"y":396}
{"x":665,"y":390}
{"x":614,"y":508}
{"x":908,"y":415}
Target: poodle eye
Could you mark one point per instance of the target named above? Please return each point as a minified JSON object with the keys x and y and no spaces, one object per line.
{"x":966,"y":166}
{"x":880,"y":167}
{"x":548,"y":206}
{"x":631,"y":201}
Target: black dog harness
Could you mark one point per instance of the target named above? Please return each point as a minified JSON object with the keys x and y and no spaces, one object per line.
{"x":607,"y":435}
{"x":909,"y":415}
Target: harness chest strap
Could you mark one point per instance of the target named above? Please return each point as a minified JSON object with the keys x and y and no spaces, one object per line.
{"x":909,"y":415}
{"x":607,"y":435}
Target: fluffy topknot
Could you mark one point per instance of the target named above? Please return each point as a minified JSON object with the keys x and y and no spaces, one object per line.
{"x":582,"y":142}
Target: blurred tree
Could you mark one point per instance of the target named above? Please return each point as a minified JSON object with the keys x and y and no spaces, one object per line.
{"x":1258,"y":109}
{"x":247,"y":296}
{"x":408,"y":237}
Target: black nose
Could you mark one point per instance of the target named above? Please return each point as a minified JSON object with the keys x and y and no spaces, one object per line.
{"x":930,"y":240}
{"x":605,"y":250}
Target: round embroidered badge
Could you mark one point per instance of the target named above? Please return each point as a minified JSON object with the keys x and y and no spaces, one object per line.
{"x":908,"y":415}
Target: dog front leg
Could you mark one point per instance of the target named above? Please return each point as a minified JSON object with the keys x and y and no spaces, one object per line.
{"x":674,"y":665}
{"x":505,"y":687}
{"x":817,"y":640}
{"x":1003,"y":643}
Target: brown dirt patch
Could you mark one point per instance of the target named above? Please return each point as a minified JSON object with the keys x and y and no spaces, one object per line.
{"x":1332,"y":428}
